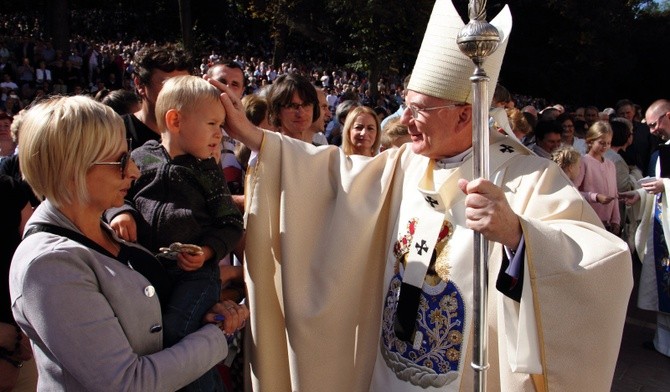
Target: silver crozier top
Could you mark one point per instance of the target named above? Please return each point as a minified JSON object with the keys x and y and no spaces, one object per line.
{"x":478,"y":39}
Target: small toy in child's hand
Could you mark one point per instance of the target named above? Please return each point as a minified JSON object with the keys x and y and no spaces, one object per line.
{"x":178,"y":247}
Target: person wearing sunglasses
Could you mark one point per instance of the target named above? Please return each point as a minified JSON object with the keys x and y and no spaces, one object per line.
{"x":88,"y":300}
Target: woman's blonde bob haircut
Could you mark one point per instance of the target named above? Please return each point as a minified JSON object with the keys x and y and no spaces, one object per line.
{"x":183,"y":93}
{"x":347,"y":147}
{"x":61,"y":137}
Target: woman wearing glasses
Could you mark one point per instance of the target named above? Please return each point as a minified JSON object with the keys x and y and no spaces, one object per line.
{"x":293,"y":105}
{"x":89,"y":301}
{"x":568,"y":137}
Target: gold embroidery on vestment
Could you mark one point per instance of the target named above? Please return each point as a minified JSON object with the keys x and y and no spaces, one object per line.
{"x":439,"y":268}
{"x":442,"y":267}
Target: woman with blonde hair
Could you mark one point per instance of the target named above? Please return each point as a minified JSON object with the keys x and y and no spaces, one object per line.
{"x":360,"y":133}
{"x":89,"y":301}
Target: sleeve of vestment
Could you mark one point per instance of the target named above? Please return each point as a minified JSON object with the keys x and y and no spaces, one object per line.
{"x":322,"y":286}
{"x":577,"y":276}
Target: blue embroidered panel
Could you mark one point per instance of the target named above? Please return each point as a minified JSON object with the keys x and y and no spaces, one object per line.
{"x":433,"y":358}
{"x":662,"y":261}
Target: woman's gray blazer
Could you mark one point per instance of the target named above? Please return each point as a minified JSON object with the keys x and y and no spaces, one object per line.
{"x":94,"y":323}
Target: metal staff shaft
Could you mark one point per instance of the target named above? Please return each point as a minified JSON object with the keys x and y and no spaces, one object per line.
{"x":477,"y":40}
{"x":480,"y":168}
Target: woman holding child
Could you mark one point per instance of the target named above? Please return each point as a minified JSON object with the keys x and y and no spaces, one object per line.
{"x":88,"y":300}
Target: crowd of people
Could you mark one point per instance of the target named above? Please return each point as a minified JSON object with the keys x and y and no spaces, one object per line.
{"x":176,"y":291}
{"x":615,"y":147}
{"x":96,"y":64}
{"x":615,"y":157}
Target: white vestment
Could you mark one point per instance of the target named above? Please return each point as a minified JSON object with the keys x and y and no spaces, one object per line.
{"x":324,"y":248}
{"x":650,"y":278}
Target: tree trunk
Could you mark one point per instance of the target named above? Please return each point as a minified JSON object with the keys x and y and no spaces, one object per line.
{"x":186,"y":24}
{"x":58,"y":24}
{"x":373,"y":78}
{"x":280,"y":37}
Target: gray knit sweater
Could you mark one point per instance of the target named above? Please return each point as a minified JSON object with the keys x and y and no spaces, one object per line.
{"x":184,"y":199}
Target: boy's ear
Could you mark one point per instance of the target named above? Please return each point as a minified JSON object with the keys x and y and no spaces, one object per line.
{"x":172,"y":120}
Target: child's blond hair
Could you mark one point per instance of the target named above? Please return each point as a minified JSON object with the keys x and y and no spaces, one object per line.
{"x":183,"y":93}
{"x":566,"y":156}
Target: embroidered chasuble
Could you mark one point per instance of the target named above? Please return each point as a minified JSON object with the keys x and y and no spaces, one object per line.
{"x":651,"y":239}
{"x":662,"y":263}
{"x":331,"y":240}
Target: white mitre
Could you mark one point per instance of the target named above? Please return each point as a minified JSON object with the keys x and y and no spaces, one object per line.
{"x":441,"y":69}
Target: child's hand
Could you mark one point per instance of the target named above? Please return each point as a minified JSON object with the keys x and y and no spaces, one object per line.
{"x":190,"y":262}
{"x":125,"y":227}
{"x":603,"y":199}
{"x":217,"y":154}
{"x":193,"y":257}
{"x":615,"y":228}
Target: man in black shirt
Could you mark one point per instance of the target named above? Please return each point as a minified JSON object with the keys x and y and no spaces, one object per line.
{"x":153,"y":65}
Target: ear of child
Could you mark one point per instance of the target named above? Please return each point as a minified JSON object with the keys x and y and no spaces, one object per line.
{"x":173,"y":120}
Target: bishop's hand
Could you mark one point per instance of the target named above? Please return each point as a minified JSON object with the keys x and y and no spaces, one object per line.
{"x":488,"y":212}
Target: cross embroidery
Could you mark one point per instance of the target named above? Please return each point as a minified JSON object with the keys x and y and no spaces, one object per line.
{"x":506,"y":148}
{"x":432,"y":201}
{"x":421,"y":247}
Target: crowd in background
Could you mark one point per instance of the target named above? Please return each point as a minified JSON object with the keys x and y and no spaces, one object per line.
{"x":30,"y":66}
{"x":31,"y":69}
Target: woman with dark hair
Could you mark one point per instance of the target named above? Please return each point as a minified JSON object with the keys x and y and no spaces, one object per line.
{"x":122,"y":101}
{"x":622,"y":137}
{"x":626,"y":175}
{"x":293,"y":105}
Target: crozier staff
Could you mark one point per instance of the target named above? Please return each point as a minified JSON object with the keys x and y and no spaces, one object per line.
{"x":366,"y":283}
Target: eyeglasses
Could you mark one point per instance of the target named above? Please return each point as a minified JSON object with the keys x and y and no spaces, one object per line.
{"x":415,"y":111}
{"x":654,"y":124}
{"x":297,"y":106}
{"x":122,"y":163}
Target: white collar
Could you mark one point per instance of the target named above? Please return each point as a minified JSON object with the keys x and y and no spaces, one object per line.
{"x":450,"y":162}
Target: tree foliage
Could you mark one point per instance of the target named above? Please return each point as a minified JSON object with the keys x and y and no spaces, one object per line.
{"x":377,"y":36}
{"x":576,"y":51}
